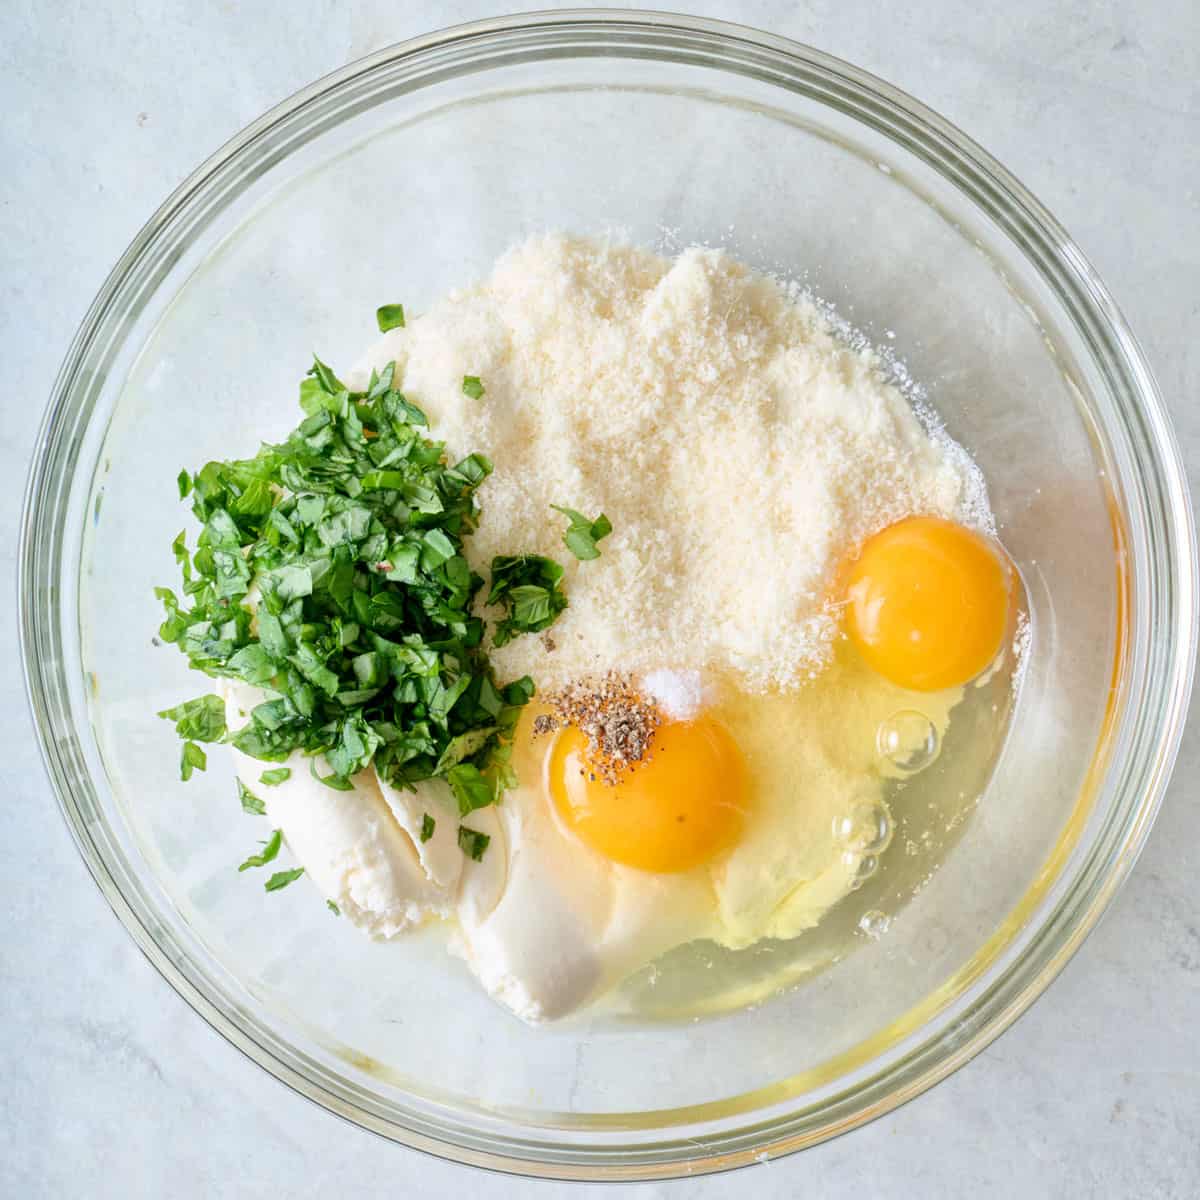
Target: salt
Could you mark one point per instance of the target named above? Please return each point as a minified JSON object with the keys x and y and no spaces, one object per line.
{"x":679,"y":694}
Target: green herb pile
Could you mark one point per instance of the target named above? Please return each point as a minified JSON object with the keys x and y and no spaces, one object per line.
{"x":330,"y":572}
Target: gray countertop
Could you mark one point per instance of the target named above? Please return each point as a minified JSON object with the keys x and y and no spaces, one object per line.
{"x":113,"y":1087}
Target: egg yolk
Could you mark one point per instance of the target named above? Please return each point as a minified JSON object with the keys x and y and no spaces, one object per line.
{"x":927,"y":603}
{"x":674,"y":810}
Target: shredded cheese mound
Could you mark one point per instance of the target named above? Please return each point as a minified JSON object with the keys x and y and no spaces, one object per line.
{"x":740,"y":448}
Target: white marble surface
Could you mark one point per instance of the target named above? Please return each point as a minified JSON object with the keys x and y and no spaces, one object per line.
{"x":112,"y":1087}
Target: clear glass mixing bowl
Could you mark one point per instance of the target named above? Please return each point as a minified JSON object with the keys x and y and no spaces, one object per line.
{"x":406,"y":174}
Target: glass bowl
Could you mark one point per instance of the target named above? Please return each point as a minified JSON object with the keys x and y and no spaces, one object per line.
{"x":406,"y":174}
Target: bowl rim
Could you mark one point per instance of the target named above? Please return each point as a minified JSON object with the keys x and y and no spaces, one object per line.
{"x":968,"y":168}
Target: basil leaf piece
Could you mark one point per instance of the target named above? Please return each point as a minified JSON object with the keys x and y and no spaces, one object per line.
{"x":253,"y":664}
{"x":282,"y":878}
{"x":428,"y":825}
{"x":199,"y":720}
{"x":250,"y":802}
{"x":472,"y":842}
{"x":583,"y":533}
{"x":275,"y":776}
{"x":464,"y":746}
{"x":337,"y":782}
{"x":471,"y":788}
{"x":191,"y":758}
{"x":390,"y":316}
{"x":267,"y":854}
{"x":472,"y":387}
{"x":328,"y":382}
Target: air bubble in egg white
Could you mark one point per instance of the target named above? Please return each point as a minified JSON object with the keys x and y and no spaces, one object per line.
{"x":874,"y":923}
{"x":908,"y":740}
{"x":865,"y":829}
{"x":863,"y":867}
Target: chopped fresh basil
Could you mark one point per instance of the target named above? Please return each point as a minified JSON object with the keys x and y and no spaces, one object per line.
{"x":428,"y":825}
{"x":528,"y":586}
{"x":282,"y":878}
{"x":185,"y":484}
{"x":582,"y":533}
{"x":472,"y":789}
{"x":250,"y":802}
{"x":325,"y":379}
{"x":464,"y":746}
{"x":390,"y":316}
{"x":502,"y":769}
{"x":472,"y":842}
{"x":472,"y":387}
{"x":333,"y":908}
{"x":199,"y":720}
{"x":191,"y":759}
{"x":269,"y":851}
{"x":339,"y":783}
{"x":330,"y":570}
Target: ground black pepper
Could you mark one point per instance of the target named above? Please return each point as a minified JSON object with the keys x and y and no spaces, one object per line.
{"x":617,"y":720}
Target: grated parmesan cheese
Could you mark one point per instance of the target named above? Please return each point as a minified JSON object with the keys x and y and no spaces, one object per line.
{"x":740,"y":447}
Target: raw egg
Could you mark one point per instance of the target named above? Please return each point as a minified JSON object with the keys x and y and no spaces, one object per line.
{"x":677,"y":808}
{"x":928,"y":603}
